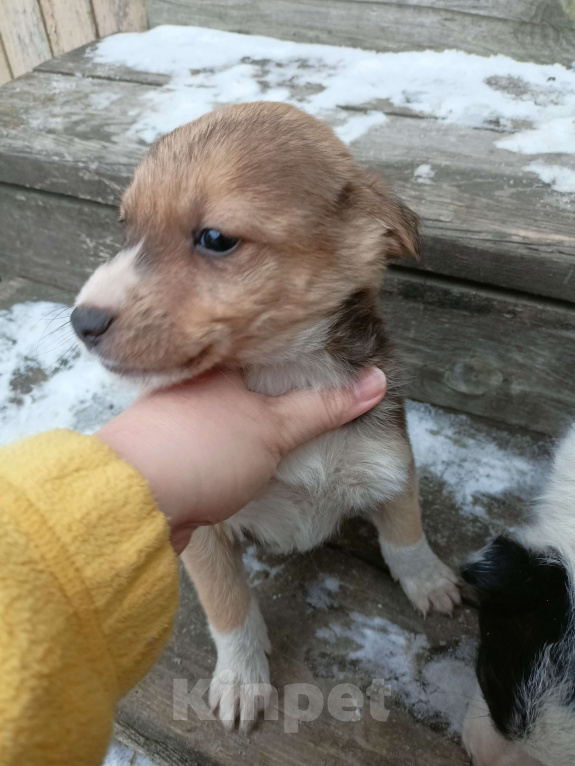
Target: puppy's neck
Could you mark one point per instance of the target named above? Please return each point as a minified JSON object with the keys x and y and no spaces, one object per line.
{"x":330,"y":353}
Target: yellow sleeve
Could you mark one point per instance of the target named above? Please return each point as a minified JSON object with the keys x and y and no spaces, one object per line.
{"x":88,"y":591}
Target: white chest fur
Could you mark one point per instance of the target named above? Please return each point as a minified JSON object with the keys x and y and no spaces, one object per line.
{"x":342,"y":473}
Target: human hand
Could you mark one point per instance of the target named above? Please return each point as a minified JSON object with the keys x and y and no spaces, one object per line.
{"x":207,"y":447}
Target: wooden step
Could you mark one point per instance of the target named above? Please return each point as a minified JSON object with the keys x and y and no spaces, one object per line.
{"x":486,"y":321}
{"x":527,"y":30}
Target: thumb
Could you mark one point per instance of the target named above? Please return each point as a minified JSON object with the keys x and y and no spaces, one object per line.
{"x":301,"y":415}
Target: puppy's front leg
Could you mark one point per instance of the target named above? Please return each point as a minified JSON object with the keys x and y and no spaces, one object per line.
{"x":240,"y":684}
{"x":426,"y":580}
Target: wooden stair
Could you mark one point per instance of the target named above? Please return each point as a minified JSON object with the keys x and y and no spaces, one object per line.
{"x":485,"y":323}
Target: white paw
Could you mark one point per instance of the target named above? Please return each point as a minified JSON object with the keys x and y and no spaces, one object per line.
{"x":426,"y":580}
{"x":240,"y":689}
{"x":241,"y":693}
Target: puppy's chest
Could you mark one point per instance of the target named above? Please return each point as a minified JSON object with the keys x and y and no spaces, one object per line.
{"x":349,"y":470}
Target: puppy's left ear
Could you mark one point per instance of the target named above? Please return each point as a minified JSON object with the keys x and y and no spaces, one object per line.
{"x":399,"y":224}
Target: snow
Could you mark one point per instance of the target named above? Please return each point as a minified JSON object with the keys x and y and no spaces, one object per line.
{"x":475,"y":469}
{"x":423,"y":174}
{"x":256,"y":569}
{"x":430,"y":687}
{"x":44,"y":381}
{"x":560,"y":178}
{"x":207,"y":68}
{"x":320,"y":593}
{"x":120,"y":755}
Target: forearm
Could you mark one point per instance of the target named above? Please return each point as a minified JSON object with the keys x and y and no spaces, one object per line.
{"x":88,"y":589}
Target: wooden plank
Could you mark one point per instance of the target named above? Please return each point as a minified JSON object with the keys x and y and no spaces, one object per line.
{"x":485,"y":218}
{"x":476,"y":350}
{"x":54,"y":239}
{"x":146,"y":716}
{"x":23,"y":34}
{"x":5,"y":71}
{"x":528,"y":30}
{"x":505,"y":358}
{"x":119,"y":16}
{"x":69,"y":25}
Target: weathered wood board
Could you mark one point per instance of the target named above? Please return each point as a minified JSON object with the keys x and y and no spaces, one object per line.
{"x":485,"y":218}
{"x":5,"y":71}
{"x":69,"y":25}
{"x":528,"y":30}
{"x":23,"y":34}
{"x":119,"y":16}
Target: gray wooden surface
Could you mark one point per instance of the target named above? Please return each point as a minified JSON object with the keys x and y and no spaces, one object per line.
{"x":485,"y":218}
{"x":528,"y":30}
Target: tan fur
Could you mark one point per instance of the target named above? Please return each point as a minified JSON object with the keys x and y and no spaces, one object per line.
{"x":299,"y":211}
{"x":213,"y":561}
{"x":399,"y":520}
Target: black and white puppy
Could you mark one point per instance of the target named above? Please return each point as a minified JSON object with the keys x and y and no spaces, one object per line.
{"x":524,"y":710}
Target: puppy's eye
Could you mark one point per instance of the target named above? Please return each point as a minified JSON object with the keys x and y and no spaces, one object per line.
{"x":216,"y":243}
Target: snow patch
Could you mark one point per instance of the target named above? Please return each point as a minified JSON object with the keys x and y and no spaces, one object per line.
{"x":120,"y":755}
{"x":423,"y":174}
{"x":320,"y":593}
{"x":257,"y":570}
{"x":431,"y":688}
{"x":473,"y":467}
{"x":560,"y":178}
{"x":208,"y":68}
{"x":45,"y":382}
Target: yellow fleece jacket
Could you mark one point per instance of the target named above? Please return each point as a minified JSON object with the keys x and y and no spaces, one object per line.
{"x":88,"y":591}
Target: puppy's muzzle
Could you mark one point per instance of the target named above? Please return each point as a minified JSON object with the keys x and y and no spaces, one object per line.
{"x":90,"y":323}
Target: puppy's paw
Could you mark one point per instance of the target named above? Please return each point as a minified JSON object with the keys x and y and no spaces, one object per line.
{"x":240,"y":689}
{"x":426,"y":580}
{"x":241,"y":693}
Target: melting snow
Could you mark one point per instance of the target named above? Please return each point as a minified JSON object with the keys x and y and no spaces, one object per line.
{"x":465,"y":457}
{"x":423,"y":174}
{"x":560,"y":178}
{"x":256,"y":569}
{"x":320,"y":593}
{"x":347,"y":86}
{"x":440,"y":686}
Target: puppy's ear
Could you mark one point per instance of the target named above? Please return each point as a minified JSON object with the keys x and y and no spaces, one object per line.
{"x":398,"y":223}
{"x":509,"y":576}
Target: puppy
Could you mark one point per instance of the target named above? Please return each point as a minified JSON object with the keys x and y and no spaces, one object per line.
{"x":254,"y":242}
{"x":524,"y":710}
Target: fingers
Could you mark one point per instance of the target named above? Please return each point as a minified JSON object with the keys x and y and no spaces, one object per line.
{"x":301,"y":415}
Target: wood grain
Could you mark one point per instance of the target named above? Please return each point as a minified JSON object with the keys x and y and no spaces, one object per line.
{"x":119,"y":16}
{"x":5,"y":71}
{"x":23,"y":33}
{"x":69,"y":24}
{"x":528,"y":30}
{"x":485,"y":218}
{"x":470,"y":348}
{"x":146,"y":717}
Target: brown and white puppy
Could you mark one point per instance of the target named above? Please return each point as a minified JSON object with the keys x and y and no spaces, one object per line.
{"x":255,"y":242}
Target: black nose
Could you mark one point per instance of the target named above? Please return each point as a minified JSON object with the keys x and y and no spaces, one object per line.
{"x":90,"y":323}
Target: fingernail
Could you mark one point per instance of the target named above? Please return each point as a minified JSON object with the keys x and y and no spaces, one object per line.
{"x":370,"y":385}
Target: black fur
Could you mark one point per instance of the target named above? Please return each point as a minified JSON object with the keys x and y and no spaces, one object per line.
{"x":525,"y":606}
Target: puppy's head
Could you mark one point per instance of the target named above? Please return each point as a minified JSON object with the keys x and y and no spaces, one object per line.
{"x":243,"y":228}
